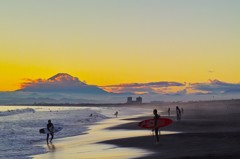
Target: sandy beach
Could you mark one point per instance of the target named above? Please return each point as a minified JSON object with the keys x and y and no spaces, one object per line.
{"x":207,"y":131}
{"x":88,"y":146}
{"x":211,"y":131}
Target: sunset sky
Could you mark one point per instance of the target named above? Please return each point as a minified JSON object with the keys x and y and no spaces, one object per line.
{"x":113,"y":42}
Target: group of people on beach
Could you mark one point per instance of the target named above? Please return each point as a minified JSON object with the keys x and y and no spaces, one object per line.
{"x":179,"y":112}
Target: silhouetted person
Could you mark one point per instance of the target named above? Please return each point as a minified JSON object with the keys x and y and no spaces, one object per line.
{"x":116,"y":114}
{"x":178,"y":111}
{"x":169,"y":111}
{"x":156,"y":129}
{"x":182,"y":110}
{"x":50,"y":129}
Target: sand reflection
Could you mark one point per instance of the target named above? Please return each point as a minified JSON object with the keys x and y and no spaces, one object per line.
{"x":87,"y":147}
{"x":51,"y":147}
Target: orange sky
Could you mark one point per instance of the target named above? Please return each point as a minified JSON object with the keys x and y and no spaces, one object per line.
{"x":106,"y":43}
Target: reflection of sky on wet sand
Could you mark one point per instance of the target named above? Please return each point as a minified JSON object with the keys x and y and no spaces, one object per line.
{"x":86,"y":146}
{"x":51,"y":147}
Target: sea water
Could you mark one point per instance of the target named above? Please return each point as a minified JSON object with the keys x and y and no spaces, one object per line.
{"x":19,"y":125}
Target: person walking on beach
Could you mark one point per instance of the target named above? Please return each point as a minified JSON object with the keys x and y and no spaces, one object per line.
{"x":116,"y":114}
{"x":169,"y":111}
{"x":178,"y":111}
{"x":156,"y":129}
{"x":50,"y":129}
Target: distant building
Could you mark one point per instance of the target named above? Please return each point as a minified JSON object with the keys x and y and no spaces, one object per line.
{"x":137,"y":101}
{"x":129,"y":100}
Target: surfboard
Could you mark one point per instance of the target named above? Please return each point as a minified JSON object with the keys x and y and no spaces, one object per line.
{"x":46,"y":131}
{"x":149,"y":123}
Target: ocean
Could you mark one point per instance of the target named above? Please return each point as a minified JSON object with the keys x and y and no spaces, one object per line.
{"x":20,"y":125}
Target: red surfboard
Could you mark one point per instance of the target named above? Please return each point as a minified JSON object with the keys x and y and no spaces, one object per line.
{"x":149,"y":123}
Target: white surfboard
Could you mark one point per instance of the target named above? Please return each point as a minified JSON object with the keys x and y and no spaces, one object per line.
{"x":46,"y":131}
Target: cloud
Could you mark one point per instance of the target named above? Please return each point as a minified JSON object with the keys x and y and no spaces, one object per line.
{"x":63,"y":88}
{"x":64,"y":83}
{"x":153,"y":84}
{"x":145,"y":88}
{"x":55,"y":82}
{"x":176,"y":88}
{"x":215,"y":87}
{"x":61,"y":82}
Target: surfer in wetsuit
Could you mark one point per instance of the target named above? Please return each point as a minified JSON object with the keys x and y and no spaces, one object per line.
{"x":178,"y":111}
{"x":169,"y":111}
{"x":116,"y":114}
{"x":156,"y":129}
{"x":50,"y":129}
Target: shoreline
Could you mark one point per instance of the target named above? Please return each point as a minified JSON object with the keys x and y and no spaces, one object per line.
{"x":88,"y":145}
{"x":203,"y":136}
{"x":206,"y":132}
{"x":158,"y":103}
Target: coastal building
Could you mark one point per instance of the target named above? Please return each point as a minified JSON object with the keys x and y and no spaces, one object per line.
{"x":137,"y":101}
{"x":129,"y":100}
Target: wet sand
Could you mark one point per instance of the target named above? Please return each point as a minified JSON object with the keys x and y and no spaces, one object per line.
{"x":205,"y":134}
{"x":88,"y":146}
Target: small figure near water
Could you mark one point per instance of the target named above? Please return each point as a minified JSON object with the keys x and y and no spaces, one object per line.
{"x":169,"y":111}
{"x":156,"y":129}
{"x":50,"y":129}
{"x":116,"y":114}
{"x":178,"y":112}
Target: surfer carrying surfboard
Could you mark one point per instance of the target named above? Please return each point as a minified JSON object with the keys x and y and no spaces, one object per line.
{"x":50,"y":129}
{"x":156,"y":128}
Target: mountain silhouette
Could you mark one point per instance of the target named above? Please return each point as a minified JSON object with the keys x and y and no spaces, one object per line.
{"x":61,"y":83}
{"x":65,"y":77}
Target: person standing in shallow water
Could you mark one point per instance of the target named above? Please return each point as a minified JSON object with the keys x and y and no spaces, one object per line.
{"x":156,"y":129}
{"x":50,"y":129}
{"x":178,"y":111}
{"x":116,"y":114}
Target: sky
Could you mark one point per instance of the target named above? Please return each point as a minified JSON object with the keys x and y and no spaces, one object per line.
{"x":113,"y":42}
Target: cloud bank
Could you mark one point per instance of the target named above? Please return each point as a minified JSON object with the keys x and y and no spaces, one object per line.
{"x":216,"y":87}
{"x":145,"y":88}
{"x":66,"y":88}
{"x":62,"y":83}
{"x":176,"y":88}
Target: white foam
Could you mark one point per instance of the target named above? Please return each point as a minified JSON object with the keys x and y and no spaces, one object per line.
{"x":16,"y":111}
{"x":20,"y":127}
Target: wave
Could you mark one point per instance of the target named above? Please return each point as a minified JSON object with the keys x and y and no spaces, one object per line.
{"x":16,"y":111}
